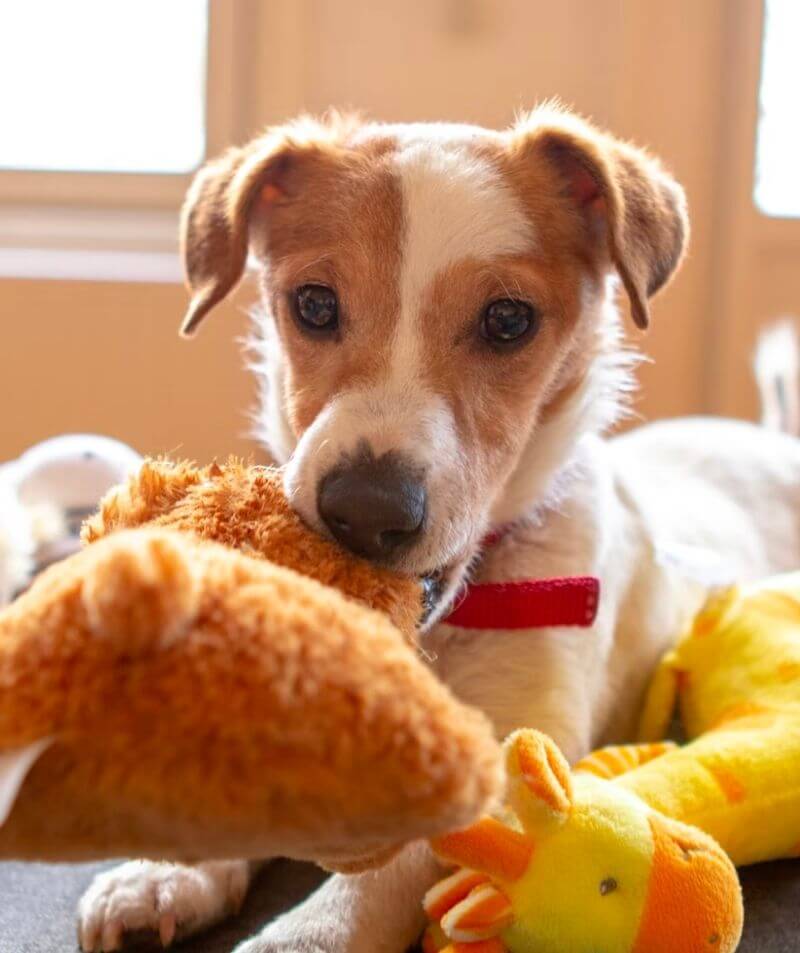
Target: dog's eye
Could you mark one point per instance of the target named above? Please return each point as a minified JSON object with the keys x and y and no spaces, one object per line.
{"x":316,"y":308}
{"x":506,"y":321}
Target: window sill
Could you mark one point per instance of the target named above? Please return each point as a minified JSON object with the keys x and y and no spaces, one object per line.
{"x":119,"y":266}
{"x":77,"y":244}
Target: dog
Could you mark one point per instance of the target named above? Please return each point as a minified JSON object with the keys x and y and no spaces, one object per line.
{"x":440,"y":354}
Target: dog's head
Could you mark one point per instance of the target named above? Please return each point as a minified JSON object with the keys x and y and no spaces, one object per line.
{"x":437,"y":301}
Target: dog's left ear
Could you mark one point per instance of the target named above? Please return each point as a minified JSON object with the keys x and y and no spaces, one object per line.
{"x":632,"y":208}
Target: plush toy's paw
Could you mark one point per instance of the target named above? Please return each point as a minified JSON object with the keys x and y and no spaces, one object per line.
{"x":168,"y":901}
{"x":142,"y":588}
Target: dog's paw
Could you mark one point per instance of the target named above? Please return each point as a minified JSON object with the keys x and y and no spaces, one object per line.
{"x":168,"y":901}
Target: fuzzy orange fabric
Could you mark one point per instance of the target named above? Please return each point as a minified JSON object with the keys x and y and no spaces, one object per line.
{"x":205,"y":699}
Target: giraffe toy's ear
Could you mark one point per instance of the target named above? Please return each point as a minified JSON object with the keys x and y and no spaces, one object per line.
{"x":539,"y":781}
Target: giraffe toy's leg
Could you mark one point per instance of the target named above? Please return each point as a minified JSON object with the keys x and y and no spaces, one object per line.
{"x":444,"y":895}
{"x":482,"y":915}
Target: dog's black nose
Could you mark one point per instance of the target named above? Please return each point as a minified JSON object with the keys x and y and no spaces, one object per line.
{"x":374,"y":507}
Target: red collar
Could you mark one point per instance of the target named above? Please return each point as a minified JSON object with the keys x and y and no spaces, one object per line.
{"x":527,"y":604}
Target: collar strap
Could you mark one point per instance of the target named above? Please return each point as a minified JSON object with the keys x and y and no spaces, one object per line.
{"x":529,"y":604}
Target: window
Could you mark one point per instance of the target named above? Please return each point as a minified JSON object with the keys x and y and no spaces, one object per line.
{"x":106,"y":109}
{"x":103,"y":85}
{"x":777,"y":182}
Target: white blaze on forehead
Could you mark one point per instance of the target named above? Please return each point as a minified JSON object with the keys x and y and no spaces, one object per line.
{"x":456,"y":206}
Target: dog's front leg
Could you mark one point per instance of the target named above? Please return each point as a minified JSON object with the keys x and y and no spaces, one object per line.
{"x":375,"y":912}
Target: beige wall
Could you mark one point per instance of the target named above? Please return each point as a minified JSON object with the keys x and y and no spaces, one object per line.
{"x":106,"y":357}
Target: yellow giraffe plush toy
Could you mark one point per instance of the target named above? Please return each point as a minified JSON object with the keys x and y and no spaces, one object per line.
{"x":633,"y":852}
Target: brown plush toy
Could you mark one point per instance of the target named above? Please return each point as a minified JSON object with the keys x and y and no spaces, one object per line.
{"x":210,"y":678}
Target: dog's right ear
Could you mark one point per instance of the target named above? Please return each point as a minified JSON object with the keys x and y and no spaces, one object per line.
{"x":219,"y":205}
{"x":215,"y":218}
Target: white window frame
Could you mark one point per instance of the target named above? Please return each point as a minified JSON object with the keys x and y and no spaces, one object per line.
{"x":744,"y":234}
{"x":123,"y":226}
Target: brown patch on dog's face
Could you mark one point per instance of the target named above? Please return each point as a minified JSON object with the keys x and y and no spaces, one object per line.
{"x":496,"y":395}
{"x":341,"y":229}
{"x":499,"y":397}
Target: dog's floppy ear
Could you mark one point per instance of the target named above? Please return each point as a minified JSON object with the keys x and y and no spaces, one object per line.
{"x":216,"y":214}
{"x":215,"y":218}
{"x":631,"y":205}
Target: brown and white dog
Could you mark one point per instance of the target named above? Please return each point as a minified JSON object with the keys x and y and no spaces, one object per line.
{"x":439,"y":356}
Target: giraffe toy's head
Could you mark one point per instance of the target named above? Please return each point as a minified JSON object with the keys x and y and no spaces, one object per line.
{"x":580,"y":865}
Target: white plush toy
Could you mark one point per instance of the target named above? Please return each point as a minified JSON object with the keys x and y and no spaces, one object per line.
{"x":46,"y":494}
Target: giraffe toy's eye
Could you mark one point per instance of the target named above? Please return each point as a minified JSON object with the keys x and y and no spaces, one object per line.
{"x":607,"y":886}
